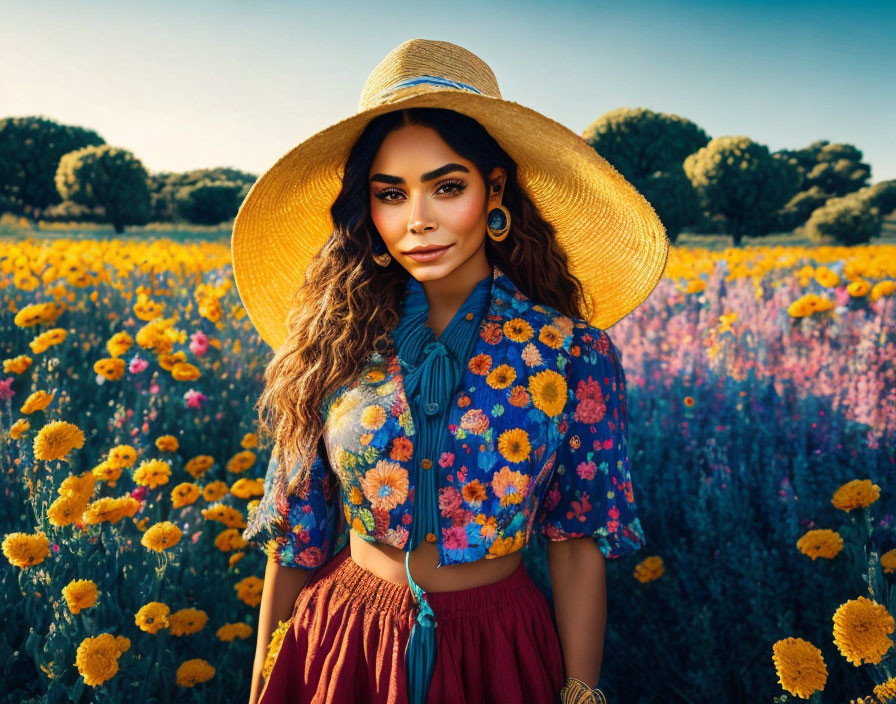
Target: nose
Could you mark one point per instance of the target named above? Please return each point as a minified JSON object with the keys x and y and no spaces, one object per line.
{"x":420,"y":220}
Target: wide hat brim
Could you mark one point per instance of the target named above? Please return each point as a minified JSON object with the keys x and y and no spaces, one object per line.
{"x":615,"y":242}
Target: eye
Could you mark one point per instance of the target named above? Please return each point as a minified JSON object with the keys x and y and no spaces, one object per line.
{"x":455,"y":187}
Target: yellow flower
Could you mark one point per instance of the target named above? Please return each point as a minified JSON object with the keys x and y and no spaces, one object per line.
{"x":37,"y":314}
{"x":858,"y":493}
{"x":885,"y":692}
{"x":649,"y":569}
{"x":551,"y":336}
{"x":518,"y":330}
{"x":229,"y":631}
{"x":110,"y":509}
{"x":193,"y":672}
{"x":274,"y":646}
{"x":152,"y":473}
{"x":187,"y":621}
{"x":241,"y":461}
{"x":826,"y":277}
{"x":17,"y":365}
{"x":185,"y":372}
{"x":37,"y":401}
{"x":862,"y":631}
{"x":820,"y":542}
{"x":859,"y":288}
{"x":549,"y":392}
{"x":236,"y":557}
{"x":55,"y":440}
{"x":227,"y":515}
{"x":882,"y":288}
{"x":152,"y":617}
{"x":510,"y":486}
{"x":244,"y":488}
{"x":513,"y":444}
{"x":111,"y":368}
{"x":107,"y":472}
{"x":888,"y":561}
{"x":66,"y":510}
{"x":385,"y":485}
{"x":47,"y":339}
{"x":248,"y":590}
{"x":800,"y":666}
{"x":249,"y":441}
{"x":19,"y":428}
{"x":184,"y":494}
{"x":167,"y":443}
{"x":229,"y":539}
{"x":214,"y":491}
{"x":122,"y":456}
{"x":501,"y":376}
{"x":161,"y":536}
{"x":199,"y":465}
{"x":119,"y":344}
{"x":80,"y":594}
{"x":26,"y":549}
{"x":78,"y":485}
{"x":97,"y":658}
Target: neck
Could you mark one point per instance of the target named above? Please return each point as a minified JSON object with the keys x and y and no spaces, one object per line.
{"x":445,"y":296}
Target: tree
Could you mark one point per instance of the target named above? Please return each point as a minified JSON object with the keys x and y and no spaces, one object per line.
{"x":167,"y":186}
{"x":648,"y":149}
{"x":30,"y":149}
{"x":106,"y":176}
{"x":209,"y":202}
{"x":846,"y":220}
{"x":740,"y":179}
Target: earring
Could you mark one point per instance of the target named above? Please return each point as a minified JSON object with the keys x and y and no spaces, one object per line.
{"x":380,"y":255}
{"x":498,"y":223}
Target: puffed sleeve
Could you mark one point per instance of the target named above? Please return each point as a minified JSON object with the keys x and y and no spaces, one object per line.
{"x":591,"y":489}
{"x":298,"y":529}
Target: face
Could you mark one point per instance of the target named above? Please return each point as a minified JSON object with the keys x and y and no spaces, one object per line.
{"x":423,"y":193}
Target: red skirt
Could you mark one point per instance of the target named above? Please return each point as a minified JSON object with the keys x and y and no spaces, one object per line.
{"x":350,"y":629}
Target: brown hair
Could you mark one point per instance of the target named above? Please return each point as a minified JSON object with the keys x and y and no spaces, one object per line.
{"x":347,"y":304}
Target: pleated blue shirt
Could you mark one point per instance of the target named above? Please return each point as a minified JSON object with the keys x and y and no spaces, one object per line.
{"x":432,"y":370}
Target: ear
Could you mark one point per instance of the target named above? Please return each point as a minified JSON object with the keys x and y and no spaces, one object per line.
{"x":496,"y":181}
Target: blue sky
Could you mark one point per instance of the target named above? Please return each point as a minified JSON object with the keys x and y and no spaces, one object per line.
{"x":201,"y":84}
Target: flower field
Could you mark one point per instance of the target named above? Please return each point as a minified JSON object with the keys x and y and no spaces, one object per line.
{"x":762,"y":408}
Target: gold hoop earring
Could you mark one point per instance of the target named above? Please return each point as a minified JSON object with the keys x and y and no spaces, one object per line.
{"x":498,"y":223}
{"x":383,"y":260}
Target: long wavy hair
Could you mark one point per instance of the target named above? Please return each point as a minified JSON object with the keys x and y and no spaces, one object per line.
{"x":348,"y":304}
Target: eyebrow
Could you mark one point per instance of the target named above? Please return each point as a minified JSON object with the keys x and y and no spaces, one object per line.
{"x":428,"y":176}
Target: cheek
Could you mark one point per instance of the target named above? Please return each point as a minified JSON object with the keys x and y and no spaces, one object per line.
{"x":466,"y":216}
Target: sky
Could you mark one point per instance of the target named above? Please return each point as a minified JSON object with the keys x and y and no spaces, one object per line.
{"x":202,"y":84}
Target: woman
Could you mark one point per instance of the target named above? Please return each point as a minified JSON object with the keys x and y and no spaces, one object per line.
{"x":444,"y":404}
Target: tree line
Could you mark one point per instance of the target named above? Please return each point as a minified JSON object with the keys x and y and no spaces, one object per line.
{"x":731,"y":184}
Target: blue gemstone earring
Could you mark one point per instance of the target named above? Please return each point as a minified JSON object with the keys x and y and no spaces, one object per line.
{"x":380,"y":254}
{"x":498,"y":223}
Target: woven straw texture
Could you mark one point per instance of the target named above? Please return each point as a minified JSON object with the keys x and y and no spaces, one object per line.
{"x":615,"y":242}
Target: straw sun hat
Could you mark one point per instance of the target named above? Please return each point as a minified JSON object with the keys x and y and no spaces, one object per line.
{"x":616,"y":244}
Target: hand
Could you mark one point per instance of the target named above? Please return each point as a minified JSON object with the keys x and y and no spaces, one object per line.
{"x":577,"y":692}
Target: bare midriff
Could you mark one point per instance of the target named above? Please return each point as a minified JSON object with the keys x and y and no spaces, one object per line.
{"x":387,"y":562}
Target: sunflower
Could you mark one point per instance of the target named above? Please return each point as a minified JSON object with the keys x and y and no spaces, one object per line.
{"x":55,"y":440}
{"x":184,"y":494}
{"x":549,"y":392}
{"x":241,"y":461}
{"x":199,"y":465}
{"x":80,"y":594}
{"x":800,"y":666}
{"x":122,"y":456}
{"x":213,"y":491}
{"x":501,"y":376}
{"x":518,"y":330}
{"x":152,"y":617}
{"x":26,"y":549}
{"x":514,"y":445}
{"x":193,"y":672}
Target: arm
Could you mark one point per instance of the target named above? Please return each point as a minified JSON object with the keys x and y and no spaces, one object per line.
{"x":278,"y":596}
{"x":578,"y":583}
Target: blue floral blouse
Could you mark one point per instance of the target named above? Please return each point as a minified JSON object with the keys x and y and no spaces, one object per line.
{"x":535,"y":439}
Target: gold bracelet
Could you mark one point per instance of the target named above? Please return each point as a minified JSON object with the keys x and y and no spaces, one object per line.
{"x":577,"y":692}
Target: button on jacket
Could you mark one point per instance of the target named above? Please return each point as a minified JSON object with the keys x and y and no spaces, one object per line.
{"x":534,"y":438}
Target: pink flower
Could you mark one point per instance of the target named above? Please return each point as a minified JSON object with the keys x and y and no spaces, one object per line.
{"x":455,"y":538}
{"x":194,"y":399}
{"x":586,"y":470}
{"x":198,"y":343}
{"x":153,"y":388}
{"x":139,"y":493}
{"x":6,"y":391}
{"x":449,"y":500}
{"x":137,"y":364}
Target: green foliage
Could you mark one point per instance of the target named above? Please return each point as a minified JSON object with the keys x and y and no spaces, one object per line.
{"x":209,"y":202}
{"x":798,"y":209}
{"x":881,"y":195}
{"x":109,"y":177}
{"x":740,"y":179}
{"x":167,"y":187}
{"x":648,"y":148}
{"x":30,"y":149}
{"x":847,"y":220}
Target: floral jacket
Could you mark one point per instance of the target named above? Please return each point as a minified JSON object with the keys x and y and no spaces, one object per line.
{"x":537,"y":440}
